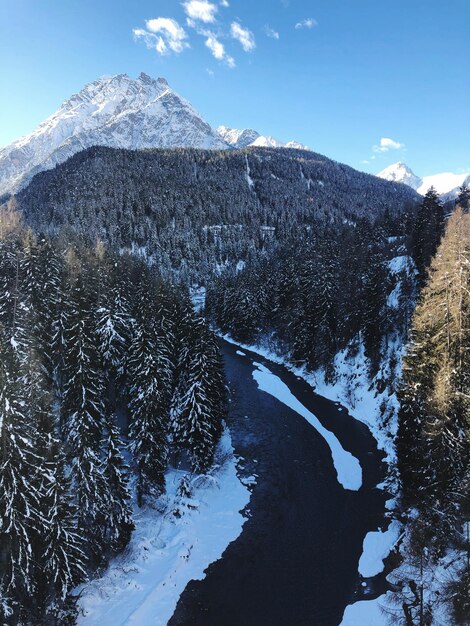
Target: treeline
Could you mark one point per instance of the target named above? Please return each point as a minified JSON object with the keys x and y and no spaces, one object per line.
{"x":196,"y":213}
{"x":433,"y":442}
{"x":105,"y":371}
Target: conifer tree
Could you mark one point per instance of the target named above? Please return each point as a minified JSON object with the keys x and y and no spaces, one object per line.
{"x":18,"y":492}
{"x":118,"y":514}
{"x":148,"y":414}
{"x":83,"y":413}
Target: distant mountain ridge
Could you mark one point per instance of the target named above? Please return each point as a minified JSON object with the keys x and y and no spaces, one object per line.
{"x":446,"y":184}
{"x":249,"y":137}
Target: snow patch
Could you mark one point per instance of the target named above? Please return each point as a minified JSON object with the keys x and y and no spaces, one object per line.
{"x":376,"y":548}
{"x":366,"y":613}
{"x":249,"y":180}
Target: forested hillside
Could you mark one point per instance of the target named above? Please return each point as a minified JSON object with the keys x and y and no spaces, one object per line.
{"x":433,"y":442}
{"x":193,"y":212}
{"x":331,"y":287}
{"x":105,"y":371}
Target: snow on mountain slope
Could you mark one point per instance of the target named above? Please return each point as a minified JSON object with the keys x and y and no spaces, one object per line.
{"x":401,"y":173}
{"x":249,"y":137}
{"x":117,"y":112}
{"x":446,"y":184}
{"x":238,"y":138}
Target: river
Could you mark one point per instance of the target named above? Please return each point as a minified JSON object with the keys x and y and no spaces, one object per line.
{"x":296,"y":561}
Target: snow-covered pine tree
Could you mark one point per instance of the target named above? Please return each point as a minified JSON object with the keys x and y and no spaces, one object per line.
{"x":148,"y":413}
{"x":18,"y":492}
{"x":112,"y":329}
{"x":63,"y":561}
{"x":83,"y":413}
{"x":119,"y":524}
{"x":198,"y":423}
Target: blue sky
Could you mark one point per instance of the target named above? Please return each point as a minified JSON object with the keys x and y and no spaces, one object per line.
{"x":338,"y":75}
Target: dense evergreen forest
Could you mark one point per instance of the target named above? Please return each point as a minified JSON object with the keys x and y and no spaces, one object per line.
{"x":433,"y":442}
{"x":197,"y":212}
{"x":316,"y":295}
{"x":105,"y":371}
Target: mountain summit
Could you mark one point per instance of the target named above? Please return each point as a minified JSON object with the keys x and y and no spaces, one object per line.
{"x":114,"y":111}
{"x":446,"y":184}
{"x":401,"y":173}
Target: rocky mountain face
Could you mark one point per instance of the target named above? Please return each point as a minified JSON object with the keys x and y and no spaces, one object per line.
{"x":117,"y":112}
{"x":446,"y":184}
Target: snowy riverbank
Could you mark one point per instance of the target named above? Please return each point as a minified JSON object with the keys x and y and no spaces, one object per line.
{"x":144,"y":583}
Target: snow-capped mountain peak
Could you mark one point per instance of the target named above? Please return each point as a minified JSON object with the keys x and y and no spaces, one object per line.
{"x":115,"y":111}
{"x":446,"y":184}
{"x":401,"y":173}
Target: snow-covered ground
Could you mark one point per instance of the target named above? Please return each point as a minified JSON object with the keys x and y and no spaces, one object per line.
{"x":142,"y":586}
{"x":348,"y":468}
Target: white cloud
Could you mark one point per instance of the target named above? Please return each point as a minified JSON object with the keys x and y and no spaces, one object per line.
{"x":217,"y":49}
{"x":164,"y":35}
{"x":202,"y":10}
{"x":244,"y":36}
{"x":309,"y":22}
{"x":224,"y":3}
{"x":270,"y":32}
{"x":387,"y":144}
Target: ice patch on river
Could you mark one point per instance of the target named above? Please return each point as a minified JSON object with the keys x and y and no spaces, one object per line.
{"x":376,"y":548}
{"x":143,"y":584}
{"x":348,"y":468}
{"x":366,"y":613}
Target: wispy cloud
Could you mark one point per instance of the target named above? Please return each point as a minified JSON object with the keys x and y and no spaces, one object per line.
{"x":244,"y":36}
{"x":164,"y":35}
{"x":218,"y":51}
{"x":270,"y":32}
{"x":202,"y":10}
{"x":224,"y":3}
{"x":309,"y":22}
{"x":386,"y":144}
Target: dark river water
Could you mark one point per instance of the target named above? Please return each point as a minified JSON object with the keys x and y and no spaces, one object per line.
{"x":295,"y":562}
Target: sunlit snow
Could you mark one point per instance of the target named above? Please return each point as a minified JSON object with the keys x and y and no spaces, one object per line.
{"x":143,"y":584}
